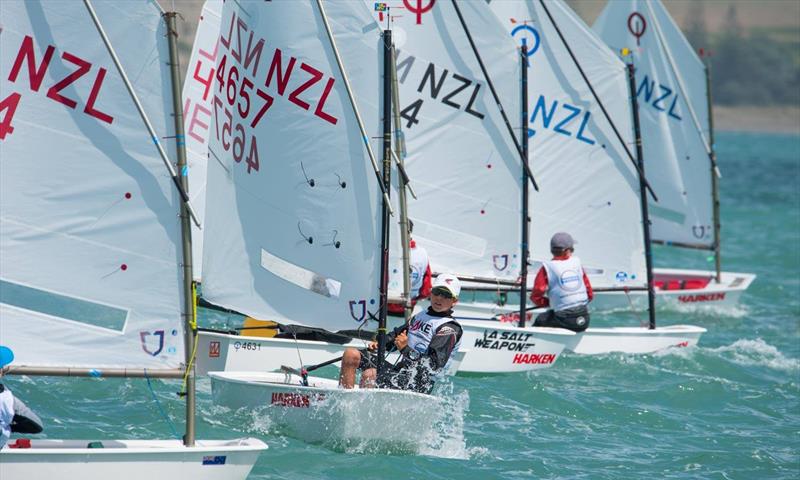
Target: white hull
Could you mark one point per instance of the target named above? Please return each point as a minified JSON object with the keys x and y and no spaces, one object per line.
{"x":594,"y":341}
{"x":220,"y":352}
{"x":131,"y":459}
{"x":634,"y":340}
{"x":669,"y":292}
{"x":325,"y":413}
{"x":486,"y":347}
{"x":495,"y":347}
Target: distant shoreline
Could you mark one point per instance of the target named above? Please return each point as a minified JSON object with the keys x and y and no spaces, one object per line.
{"x":757,"y":119}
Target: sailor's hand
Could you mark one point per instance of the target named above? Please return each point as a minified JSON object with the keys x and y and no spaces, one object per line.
{"x":401,"y":340}
{"x":372,"y":346}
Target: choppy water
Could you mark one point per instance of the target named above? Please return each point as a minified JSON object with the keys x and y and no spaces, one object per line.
{"x":728,"y":409}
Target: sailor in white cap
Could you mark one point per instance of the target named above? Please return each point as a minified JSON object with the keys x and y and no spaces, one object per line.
{"x":562,"y":285}
{"x":426,"y":346}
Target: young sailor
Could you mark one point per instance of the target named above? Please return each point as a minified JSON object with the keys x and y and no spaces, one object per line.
{"x":426,"y":346}
{"x":562,"y":285}
{"x":15,"y":416}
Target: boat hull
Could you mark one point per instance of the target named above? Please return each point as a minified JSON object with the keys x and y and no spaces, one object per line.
{"x":131,"y":459}
{"x":230,"y":353}
{"x":494,"y":347}
{"x":324,"y":413}
{"x":635,"y":340}
{"x":671,"y":290}
{"x":223,"y":352}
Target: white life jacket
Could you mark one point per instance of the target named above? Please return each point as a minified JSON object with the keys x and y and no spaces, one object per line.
{"x":418,"y":266}
{"x":565,"y":287}
{"x":421,"y":331}
{"x":6,"y":415}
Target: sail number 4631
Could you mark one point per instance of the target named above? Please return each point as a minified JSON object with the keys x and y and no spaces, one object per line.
{"x":246,"y":346}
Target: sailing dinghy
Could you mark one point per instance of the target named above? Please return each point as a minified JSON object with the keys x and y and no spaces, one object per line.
{"x":580,"y":126}
{"x":672,"y":88}
{"x":297,"y":219}
{"x":538,"y":348}
{"x":94,"y":272}
{"x":465,"y":167}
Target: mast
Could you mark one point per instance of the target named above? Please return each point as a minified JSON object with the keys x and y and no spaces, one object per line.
{"x":714,"y":178}
{"x":402,"y":181}
{"x":387,"y":171}
{"x":523,"y":293}
{"x":190,"y":324}
{"x":648,"y":248}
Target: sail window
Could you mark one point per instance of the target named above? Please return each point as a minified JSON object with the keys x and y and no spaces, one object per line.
{"x":314,"y":282}
{"x":62,"y":306}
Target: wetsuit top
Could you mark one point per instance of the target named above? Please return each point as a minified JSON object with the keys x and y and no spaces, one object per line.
{"x":432,"y":339}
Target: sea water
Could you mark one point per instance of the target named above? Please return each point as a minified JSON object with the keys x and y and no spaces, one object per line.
{"x":727,"y":409}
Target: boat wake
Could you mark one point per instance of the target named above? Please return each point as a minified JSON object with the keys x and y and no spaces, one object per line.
{"x":359,"y":423}
{"x":732,"y":311}
{"x":757,"y":353}
{"x":446,"y":439}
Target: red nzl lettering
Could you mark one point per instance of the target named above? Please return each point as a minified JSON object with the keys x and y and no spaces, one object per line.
{"x":282,"y":79}
{"x":36,"y":76}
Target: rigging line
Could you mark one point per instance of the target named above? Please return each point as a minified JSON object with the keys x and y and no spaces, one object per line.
{"x":194,"y":347}
{"x":142,"y":114}
{"x":528,"y":171}
{"x":363,"y":130}
{"x":597,"y":99}
{"x":663,"y":44}
{"x":160,"y":408}
{"x":297,"y":347}
{"x":642,"y":323}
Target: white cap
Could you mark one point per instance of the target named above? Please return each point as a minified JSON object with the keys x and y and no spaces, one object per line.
{"x":448,"y":281}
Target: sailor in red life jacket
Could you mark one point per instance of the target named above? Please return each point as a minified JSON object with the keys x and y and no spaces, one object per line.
{"x":426,"y":346}
{"x":419,"y":272}
{"x":562,"y":285}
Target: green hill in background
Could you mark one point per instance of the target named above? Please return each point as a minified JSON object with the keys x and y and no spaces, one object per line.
{"x":752,"y":46}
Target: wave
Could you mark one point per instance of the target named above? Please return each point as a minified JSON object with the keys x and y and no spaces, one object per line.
{"x":757,"y":353}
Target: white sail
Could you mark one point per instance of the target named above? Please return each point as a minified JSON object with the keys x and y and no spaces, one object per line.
{"x":673,"y":108}
{"x":293,"y":204}
{"x":589,"y":185}
{"x":89,"y":232}
{"x":461,"y":159}
{"x":198,"y":97}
